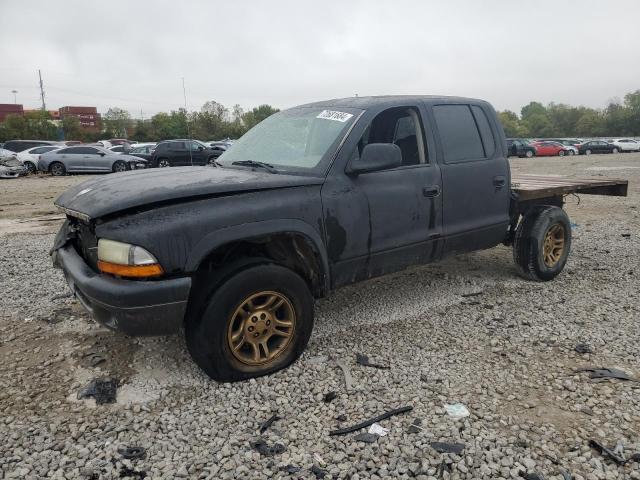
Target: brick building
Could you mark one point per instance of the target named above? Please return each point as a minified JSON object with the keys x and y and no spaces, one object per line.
{"x":88,"y":116}
{"x":9,"y":109}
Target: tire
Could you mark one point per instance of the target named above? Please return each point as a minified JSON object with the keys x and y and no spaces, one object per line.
{"x":211,"y":161}
{"x":163,"y":163}
{"x":615,"y":150}
{"x":571,"y":153}
{"x":210,"y":324}
{"x":528,"y":154}
{"x":561,"y":153}
{"x":119,"y":166}
{"x":587,"y":152}
{"x":536,"y":259}
{"x":31,"y":167}
{"x":57,"y":169}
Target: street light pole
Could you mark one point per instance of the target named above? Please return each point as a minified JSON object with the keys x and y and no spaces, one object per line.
{"x":14,"y":96}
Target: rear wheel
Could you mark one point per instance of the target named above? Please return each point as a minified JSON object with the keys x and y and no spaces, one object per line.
{"x":255,"y":322}
{"x":587,"y":152}
{"x":528,"y":154}
{"x":119,"y":166}
{"x":57,"y":169}
{"x":561,"y":153}
{"x":30,"y":166}
{"x":164,"y":162}
{"x":542,"y":243}
{"x":571,"y":153}
{"x":615,"y":150}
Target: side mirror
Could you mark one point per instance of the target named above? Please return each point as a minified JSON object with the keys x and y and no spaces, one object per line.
{"x":375,"y":157}
{"x":200,"y":149}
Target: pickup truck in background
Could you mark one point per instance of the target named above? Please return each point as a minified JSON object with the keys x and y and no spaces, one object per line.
{"x":311,"y":199}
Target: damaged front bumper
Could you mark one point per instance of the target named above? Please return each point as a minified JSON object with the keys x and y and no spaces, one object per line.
{"x":135,"y":308}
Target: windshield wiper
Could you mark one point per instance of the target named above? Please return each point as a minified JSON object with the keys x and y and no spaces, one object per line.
{"x":252,"y":163}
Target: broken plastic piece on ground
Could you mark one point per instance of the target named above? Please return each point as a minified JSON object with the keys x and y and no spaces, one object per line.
{"x":605,"y":452}
{"x":596,"y":373}
{"x":268,"y":451}
{"x":329,"y":397}
{"x":366,"y":437}
{"x":318,"y":472}
{"x":103,"y":390}
{"x":131,"y":453}
{"x":364,"y":361}
{"x":378,"y":430}
{"x":531,"y":476}
{"x":348,"y":379}
{"x":415,"y":426}
{"x":266,"y":424}
{"x":583,"y":348}
{"x":291,"y":468}
{"x":371,"y":421}
{"x":443,"y":447}
{"x":456,"y":410}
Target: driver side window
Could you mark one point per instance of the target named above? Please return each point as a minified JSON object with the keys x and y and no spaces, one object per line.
{"x":400,"y":126}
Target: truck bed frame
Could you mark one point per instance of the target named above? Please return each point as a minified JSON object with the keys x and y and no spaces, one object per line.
{"x":534,"y":187}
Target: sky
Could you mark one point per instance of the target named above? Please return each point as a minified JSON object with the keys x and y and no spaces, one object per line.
{"x":135,"y":54}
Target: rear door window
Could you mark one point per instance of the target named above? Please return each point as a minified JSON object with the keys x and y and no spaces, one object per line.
{"x":458,"y":133}
{"x":485,"y":131}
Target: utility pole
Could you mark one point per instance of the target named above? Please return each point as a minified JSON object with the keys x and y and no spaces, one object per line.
{"x":44,"y":106}
{"x":186,"y":119}
{"x":14,"y":96}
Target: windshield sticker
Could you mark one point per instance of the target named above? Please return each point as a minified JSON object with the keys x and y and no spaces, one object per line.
{"x":334,"y":115}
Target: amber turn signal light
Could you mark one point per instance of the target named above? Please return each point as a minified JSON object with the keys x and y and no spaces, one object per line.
{"x":131,"y":271}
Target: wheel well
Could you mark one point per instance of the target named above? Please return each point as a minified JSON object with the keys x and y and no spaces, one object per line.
{"x":519,"y":209}
{"x":291,"y":250}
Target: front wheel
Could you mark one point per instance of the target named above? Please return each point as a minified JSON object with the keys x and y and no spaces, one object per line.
{"x":615,"y":150}
{"x":119,"y":166}
{"x":561,"y":153}
{"x":256,"y":322}
{"x":571,"y":153}
{"x":57,"y":169}
{"x":163,"y":163}
{"x":211,"y":161}
{"x":31,"y":167}
{"x":587,"y":152}
{"x":529,"y":154}
{"x":542,"y":243}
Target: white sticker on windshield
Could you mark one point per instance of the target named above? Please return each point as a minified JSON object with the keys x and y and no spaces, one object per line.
{"x":334,"y":115}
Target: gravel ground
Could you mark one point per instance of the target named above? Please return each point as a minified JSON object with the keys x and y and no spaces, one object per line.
{"x":466,"y":330}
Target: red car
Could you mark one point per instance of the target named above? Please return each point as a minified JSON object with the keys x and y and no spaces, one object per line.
{"x":549,"y":149}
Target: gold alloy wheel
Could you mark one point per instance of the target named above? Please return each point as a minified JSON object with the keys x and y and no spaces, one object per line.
{"x":553,"y":246}
{"x":261,"y":328}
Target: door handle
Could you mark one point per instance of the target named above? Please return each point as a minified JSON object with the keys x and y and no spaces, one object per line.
{"x":431,"y":191}
{"x":499,"y":181}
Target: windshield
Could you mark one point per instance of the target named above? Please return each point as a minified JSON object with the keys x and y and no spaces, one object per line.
{"x":300,"y":139}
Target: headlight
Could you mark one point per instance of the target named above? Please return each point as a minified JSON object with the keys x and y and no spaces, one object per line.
{"x":126,"y":260}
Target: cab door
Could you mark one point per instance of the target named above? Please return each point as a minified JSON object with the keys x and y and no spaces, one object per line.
{"x":475,"y":176}
{"x":383,"y":221}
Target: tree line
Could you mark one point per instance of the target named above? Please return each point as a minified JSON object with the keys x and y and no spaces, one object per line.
{"x":213,"y":121}
{"x":618,"y":118}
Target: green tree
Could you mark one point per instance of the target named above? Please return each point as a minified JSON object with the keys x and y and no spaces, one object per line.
{"x":143,"y":132}
{"x":511,"y":124}
{"x":71,"y":128}
{"x":257,"y":114}
{"x":116,"y":121}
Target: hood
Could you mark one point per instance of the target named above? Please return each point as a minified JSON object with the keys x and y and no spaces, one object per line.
{"x":122,"y":191}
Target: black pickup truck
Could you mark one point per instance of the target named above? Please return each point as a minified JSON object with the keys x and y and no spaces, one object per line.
{"x":311,"y":199}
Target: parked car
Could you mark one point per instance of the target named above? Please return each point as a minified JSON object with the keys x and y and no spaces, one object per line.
{"x":597,"y":146}
{"x":181,"y":152}
{"x":4,"y":153}
{"x":87,"y":159}
{"x":570,"y":144}
{"x":551,"y":149}
{"x":119,"y":148}
{"x":21,"y":145}
{"x":30,"y":157}
{"x":519,"y":148}
{"x":120,"y":141}
{"x":11,"y":167}
{"x":626,"y":144}
{"x":142,"y":150}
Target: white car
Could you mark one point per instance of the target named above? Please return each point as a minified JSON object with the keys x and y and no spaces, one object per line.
{"x":30,"y":157}
{"x":4,"y":153}
{"x":626,"y":144}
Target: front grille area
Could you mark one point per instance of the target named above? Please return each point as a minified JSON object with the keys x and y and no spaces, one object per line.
{"x":86,"y":243}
